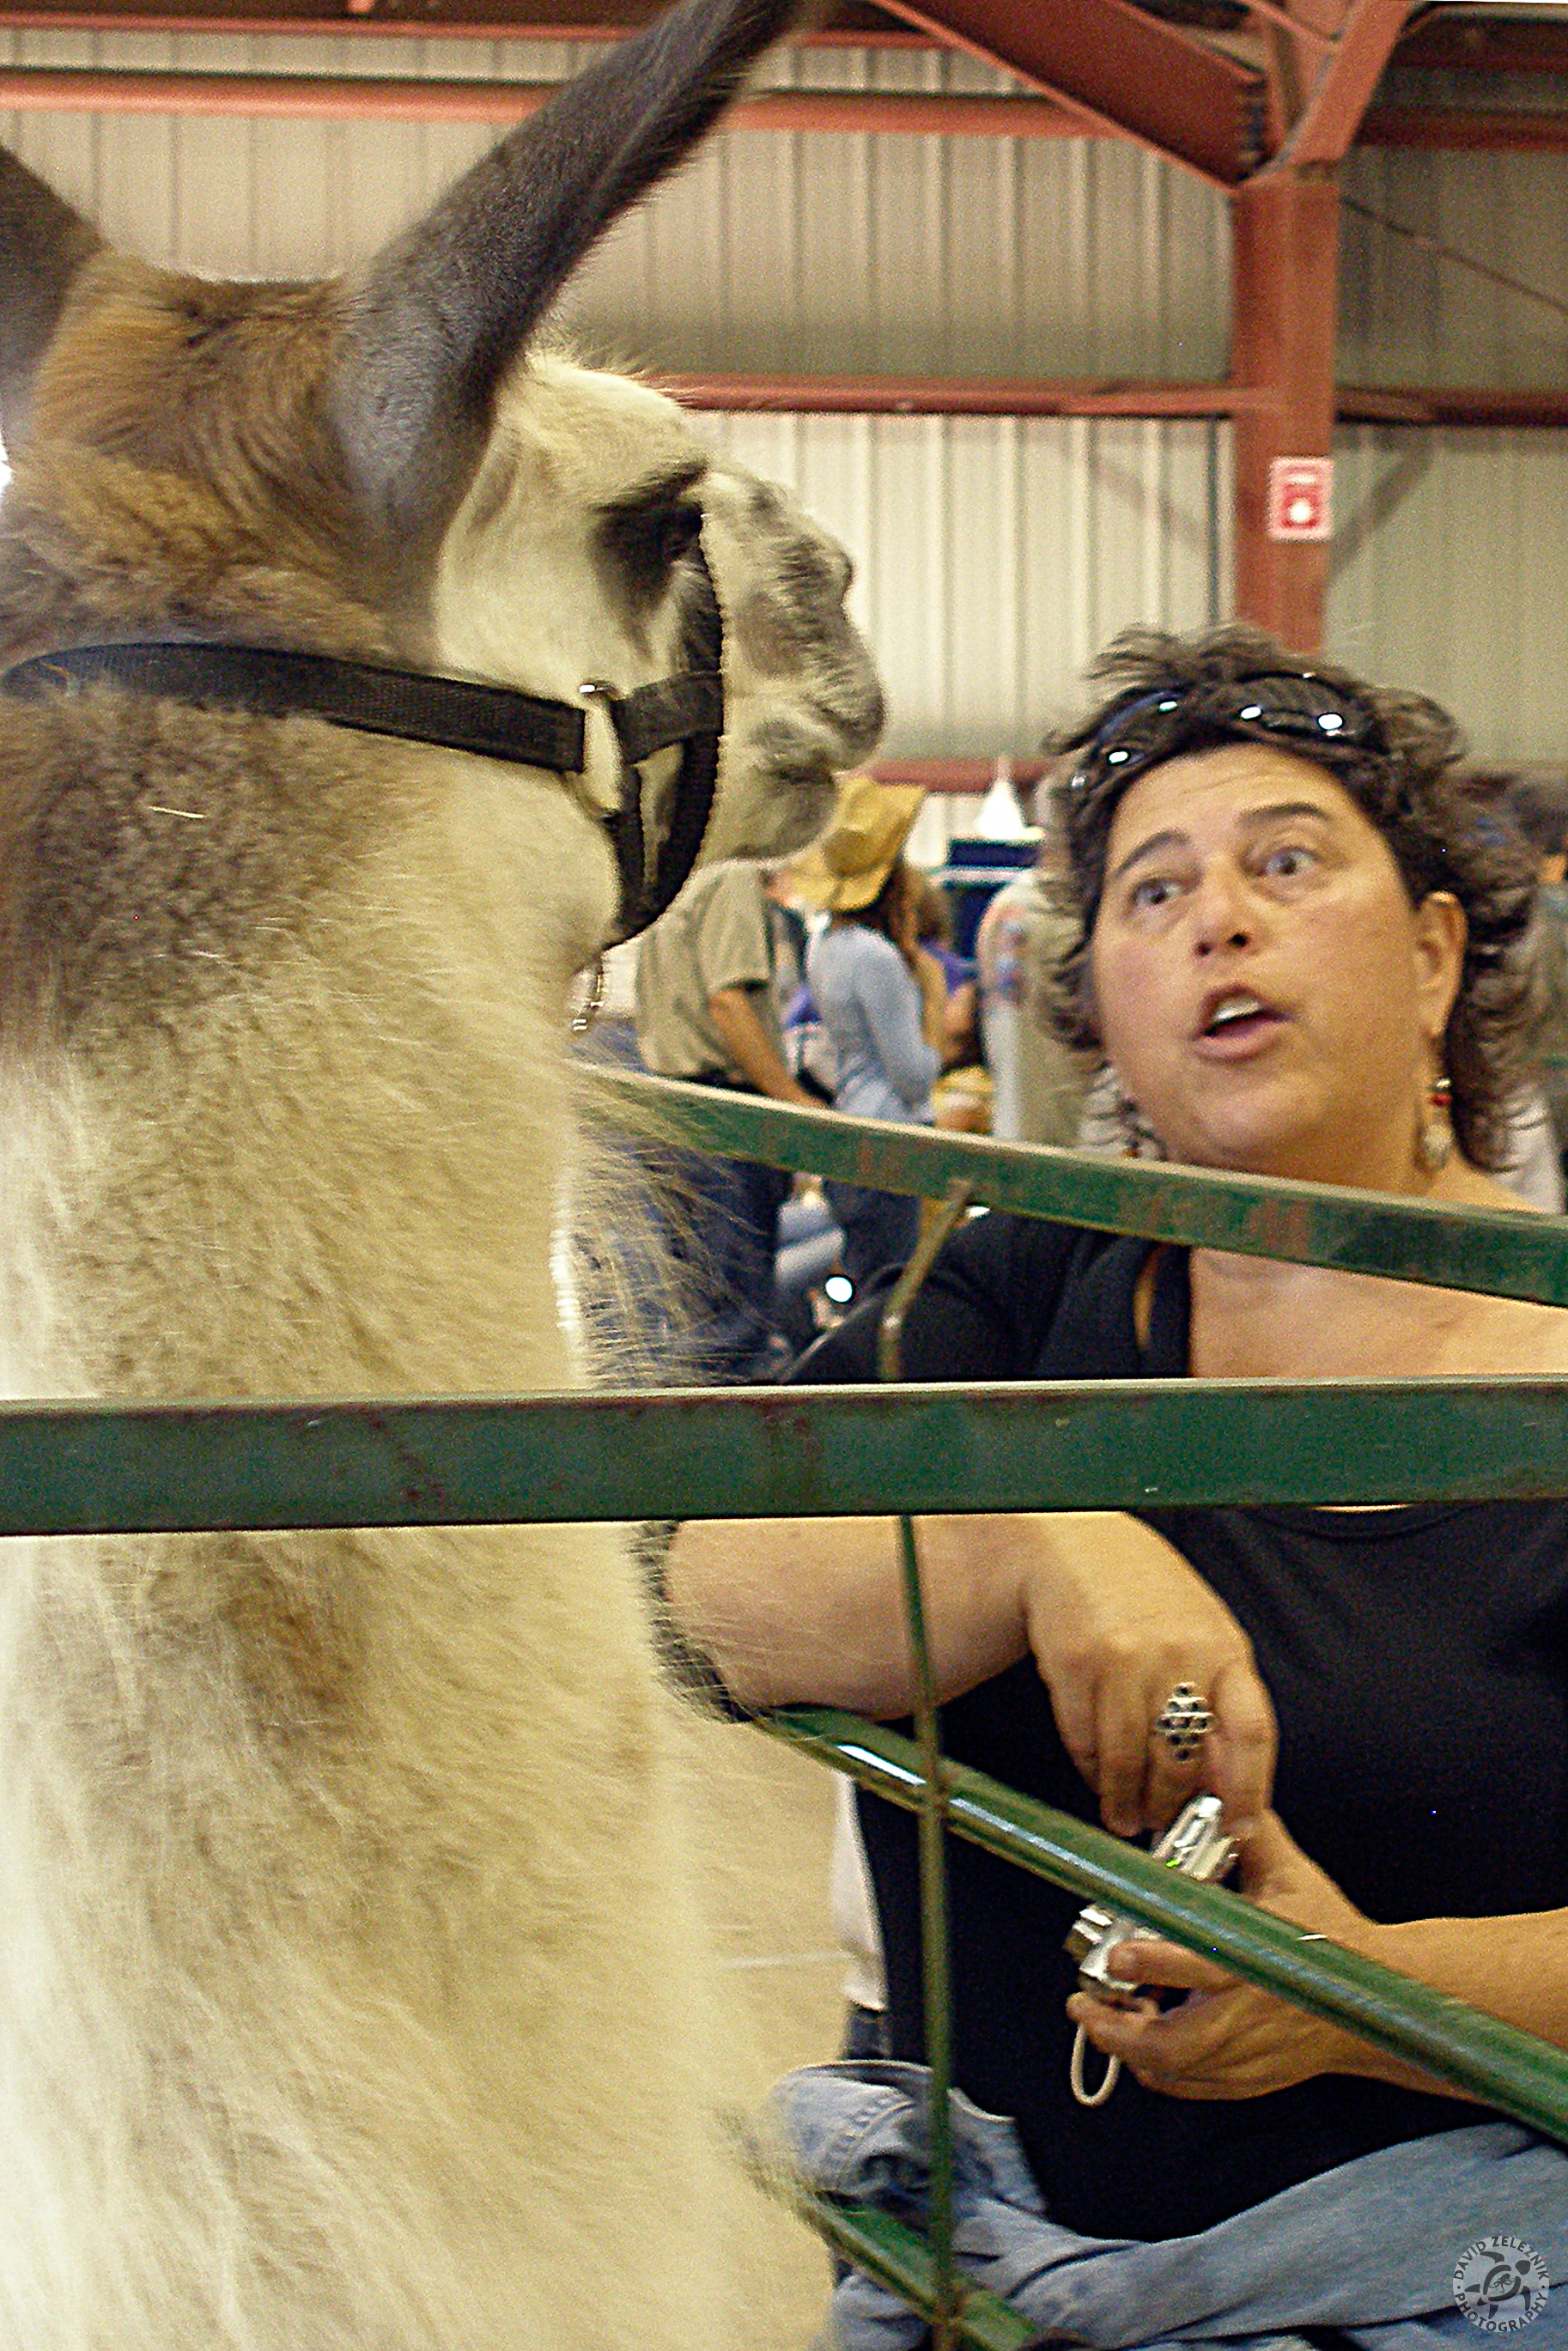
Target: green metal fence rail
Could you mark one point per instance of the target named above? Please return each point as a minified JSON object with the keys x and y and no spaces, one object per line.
{"x":77,"y":1468}
{"x":729,"y":1453}
{"x":1510,"y":1252}
{"x":898,"y":2257}
{"x":1515,"y":2071}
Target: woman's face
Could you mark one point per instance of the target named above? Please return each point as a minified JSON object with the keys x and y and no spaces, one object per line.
{"x":1270,"y":998}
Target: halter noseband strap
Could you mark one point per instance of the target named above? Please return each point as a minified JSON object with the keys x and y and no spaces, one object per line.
{"x":497,"y":722}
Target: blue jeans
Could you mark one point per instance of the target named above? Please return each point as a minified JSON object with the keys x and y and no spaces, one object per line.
{"x":725,"y":1235}
{"x":1371,"y":2248}
{"x":879,"y":1228}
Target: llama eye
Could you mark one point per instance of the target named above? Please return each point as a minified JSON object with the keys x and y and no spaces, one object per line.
{"x":648,"y":540}
{"x":679,"y":527}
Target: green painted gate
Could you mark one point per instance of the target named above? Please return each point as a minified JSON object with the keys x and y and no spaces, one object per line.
{"x":905,"y":1450}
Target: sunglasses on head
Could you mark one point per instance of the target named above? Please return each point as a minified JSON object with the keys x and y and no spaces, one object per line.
{"x":1303,"y":713}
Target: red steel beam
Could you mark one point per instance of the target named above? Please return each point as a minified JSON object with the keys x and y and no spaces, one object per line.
{"x":1345,"y":80}
{"x":1540,"y":411}
{"x":100,"y":89}
{"x":854,"y":395}
{"x":854,"y":22}
{"x":975,"y":775}
{"x":1119,"y":68}
{"x":1304,"y":29}
{"x":105,"y":90}
{"x":1018,"y":396}
{"x":1510,"y":130}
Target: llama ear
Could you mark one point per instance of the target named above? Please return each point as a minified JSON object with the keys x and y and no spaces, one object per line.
{"x":43,"y":244}
{"x":436,"y":320}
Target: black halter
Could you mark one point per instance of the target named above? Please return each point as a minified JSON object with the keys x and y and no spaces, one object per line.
{"x":458,"y":714}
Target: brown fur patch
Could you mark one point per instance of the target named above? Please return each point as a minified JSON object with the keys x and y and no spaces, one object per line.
{"x":155,"y":856}
{"x":179,"y":470}
{"x":179,"y":475}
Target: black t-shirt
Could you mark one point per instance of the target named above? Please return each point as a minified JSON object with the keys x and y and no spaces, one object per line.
{"x":1417,"y":1659}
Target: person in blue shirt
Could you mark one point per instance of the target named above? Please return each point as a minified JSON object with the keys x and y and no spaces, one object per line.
{"x":881,"y":997}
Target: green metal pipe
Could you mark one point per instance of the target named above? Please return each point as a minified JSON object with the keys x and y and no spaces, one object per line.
{"x":1523,"y":2076}
{"x":904,"y":2260}
{"x":779,"y":1453}
{"x":935,"y":1972}
{"x":1510,"y":1252}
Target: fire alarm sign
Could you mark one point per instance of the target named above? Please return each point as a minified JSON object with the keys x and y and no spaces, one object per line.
{"x":1300,"y":498}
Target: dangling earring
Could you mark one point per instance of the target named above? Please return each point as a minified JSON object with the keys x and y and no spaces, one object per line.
{"x":1113,"y":1123}
{"x":1130,"y":1128}
{"x":585,"y":1011}
{"x":1435,"y":1143}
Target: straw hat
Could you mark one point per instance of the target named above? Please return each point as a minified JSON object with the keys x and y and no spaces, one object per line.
{"x":846,"y":866}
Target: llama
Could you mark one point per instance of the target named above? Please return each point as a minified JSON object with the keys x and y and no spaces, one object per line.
{"x":351,"y":1994}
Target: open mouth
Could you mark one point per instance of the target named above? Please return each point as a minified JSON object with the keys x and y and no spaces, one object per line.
{"x":1236,"y":1019}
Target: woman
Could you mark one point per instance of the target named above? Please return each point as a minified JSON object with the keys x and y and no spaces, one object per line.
{"x":882,"y":997}
{"x":1304,"y":961}
{"x":932,"y":926}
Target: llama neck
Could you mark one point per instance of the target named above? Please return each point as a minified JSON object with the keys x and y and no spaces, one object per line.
{"x":329,"y":1192}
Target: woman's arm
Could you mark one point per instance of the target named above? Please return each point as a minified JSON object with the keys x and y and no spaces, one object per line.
{"x":1231,"y":2040}
{"x":900,"y":1018}
{"x":1515,"y":1968}
{"x":810,"y":1611}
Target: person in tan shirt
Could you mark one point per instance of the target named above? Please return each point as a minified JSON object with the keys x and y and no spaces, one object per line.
{"x":710,"y":973}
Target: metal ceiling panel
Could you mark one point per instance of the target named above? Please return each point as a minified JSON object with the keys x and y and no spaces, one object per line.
{"x":872,"y":254}
{"x":1450,"y":575}
{"x":1413,"y":311}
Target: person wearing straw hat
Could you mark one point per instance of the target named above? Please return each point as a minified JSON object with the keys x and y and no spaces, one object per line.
{"x":881,"y":997}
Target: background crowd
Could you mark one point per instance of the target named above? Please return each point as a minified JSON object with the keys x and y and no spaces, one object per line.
{"x":834,"y":978}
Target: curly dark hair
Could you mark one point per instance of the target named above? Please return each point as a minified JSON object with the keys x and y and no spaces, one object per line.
{"x":1400,"y":762}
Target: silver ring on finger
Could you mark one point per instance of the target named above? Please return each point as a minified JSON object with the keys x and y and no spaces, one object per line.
{"x":1184,"y":1721}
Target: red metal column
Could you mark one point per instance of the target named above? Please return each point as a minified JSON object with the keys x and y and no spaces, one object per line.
{"x":1285,"y":279}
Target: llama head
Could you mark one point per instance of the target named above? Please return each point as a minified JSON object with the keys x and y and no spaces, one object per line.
{"x":388,"y":465}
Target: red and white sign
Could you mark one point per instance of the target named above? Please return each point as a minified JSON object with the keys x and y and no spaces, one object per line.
{"x":1300,"y":498}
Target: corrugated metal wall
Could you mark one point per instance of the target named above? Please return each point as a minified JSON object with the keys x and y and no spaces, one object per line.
{"x":1410,"y":311}
{"x":1451,"y":574}
{"x":890,"y":255}
{"x":772,"y":251}
{"x":994,"y":554}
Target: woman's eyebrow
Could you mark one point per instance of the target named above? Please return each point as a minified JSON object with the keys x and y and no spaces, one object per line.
{"x":1253,"y":819}
{"x":1169,"y":838}
{"x":1275,"y":810}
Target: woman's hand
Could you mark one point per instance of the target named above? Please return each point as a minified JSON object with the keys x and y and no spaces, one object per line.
{"x":1116,"y":1619}
{"x":1228,"y":2039}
